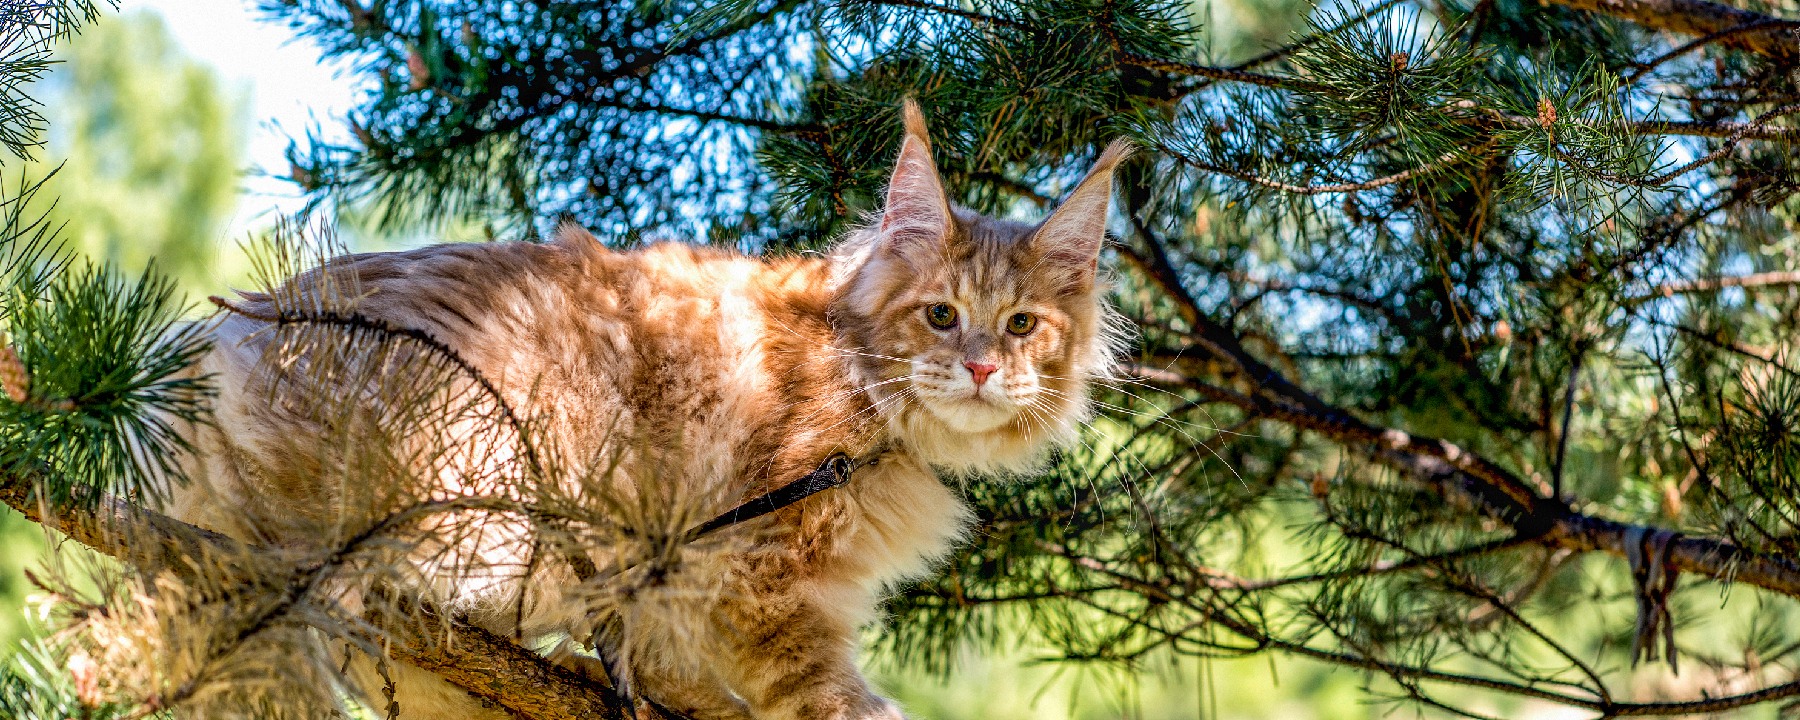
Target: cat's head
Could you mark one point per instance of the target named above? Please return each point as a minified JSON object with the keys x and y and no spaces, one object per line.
{"x":977,"y":337}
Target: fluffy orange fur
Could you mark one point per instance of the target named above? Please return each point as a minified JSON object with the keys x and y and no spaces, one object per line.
{"x":756,"y":369}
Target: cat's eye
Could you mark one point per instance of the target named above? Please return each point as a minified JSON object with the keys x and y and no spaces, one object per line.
{"x":941,"y":315}
{"x":1021,"y":323}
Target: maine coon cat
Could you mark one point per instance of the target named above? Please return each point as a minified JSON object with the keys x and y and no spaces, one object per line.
{"x":934,"y":341}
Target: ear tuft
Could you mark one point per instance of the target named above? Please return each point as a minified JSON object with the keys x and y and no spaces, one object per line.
{"x":914,"y":118}
{"x":1115,"y":153}
{"x":570,"y":235}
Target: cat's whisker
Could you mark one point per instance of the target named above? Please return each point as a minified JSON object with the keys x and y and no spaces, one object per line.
{"x":1165,"y":421}
{"x":834,"y":348}
{"x":1112,"y":384}
{"x":1164,"y":417}
{"x":875,"y":408}
{"x":827,"y":400}
{"x":850,"y":393}
{"x":863,"y":353}
{"x":1122,"y":453}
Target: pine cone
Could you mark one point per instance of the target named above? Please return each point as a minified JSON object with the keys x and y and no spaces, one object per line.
{"x":13,"y":377}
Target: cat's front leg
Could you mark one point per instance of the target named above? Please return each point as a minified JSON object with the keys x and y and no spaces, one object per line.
{"x":794,"y":660}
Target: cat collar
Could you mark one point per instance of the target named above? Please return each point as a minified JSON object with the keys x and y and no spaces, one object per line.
{"x":833,"y":472}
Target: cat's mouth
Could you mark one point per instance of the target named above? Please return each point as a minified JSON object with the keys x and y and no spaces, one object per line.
{"x":971,"y":410}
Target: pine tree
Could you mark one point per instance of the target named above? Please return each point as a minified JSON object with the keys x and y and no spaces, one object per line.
{"x":1482,"y":314}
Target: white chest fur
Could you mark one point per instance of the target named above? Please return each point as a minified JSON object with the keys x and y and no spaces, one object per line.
{"x":907,"y":520}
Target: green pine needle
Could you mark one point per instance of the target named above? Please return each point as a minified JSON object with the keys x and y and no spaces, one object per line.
{"x":110,"y":385}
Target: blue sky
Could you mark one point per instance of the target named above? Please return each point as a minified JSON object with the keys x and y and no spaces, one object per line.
{"x":286,"y":85}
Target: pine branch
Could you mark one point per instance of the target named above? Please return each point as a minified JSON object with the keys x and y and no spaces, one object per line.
{"x":1439,"y":465}
{"x":1463,"y":476}
{"x":1378,"y":568}
{"x":1725,"y":147}
{"x":1444,"y":161}
{"x":483,"y":663}
{"x":1755,"y":280}
{"x":1775,"y":37}
{"x":28,"y":33}
{"x":709,"y":116}
{"x":1210,"y":72}
{"x":1760,"y":129}
{"x":1751,"y":130}
{"x":1206,"y":605}
{"x":1174,"y":67}
{"x":1702,"y":41}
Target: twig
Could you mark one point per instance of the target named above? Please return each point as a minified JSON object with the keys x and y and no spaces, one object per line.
{"x":1447,"y":159}
{"x":1415,"y":561}
{"x":358,"y":322}
{"x":1746,"y":131}
{"x":1725,"y":147}
{"x":803,"y":129}
{"x":1218,"y":73}
{"x":1261,"y":639}
{"x":1705,"y":285}
{"x":476,"y":660}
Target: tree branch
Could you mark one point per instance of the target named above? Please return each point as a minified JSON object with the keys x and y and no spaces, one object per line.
{"x":1443,"y":161}
{"x":1704,"y":285}
{"x":483,"y":663}
{"x":1453,"y":472}
{"x":1353,"y":656}
{"x":1461,"y":475}
{"x":1775,"y":38}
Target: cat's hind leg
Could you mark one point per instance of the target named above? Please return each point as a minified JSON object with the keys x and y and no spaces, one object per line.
{"x":794,"y":660}
{"x":699,"y":698}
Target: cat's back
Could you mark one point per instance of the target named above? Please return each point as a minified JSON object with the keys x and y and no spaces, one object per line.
{"x":690,"y":347}
{"x":526,"y":310}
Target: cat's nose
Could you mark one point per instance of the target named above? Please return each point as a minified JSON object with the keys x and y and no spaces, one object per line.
{"x":980,"y":370}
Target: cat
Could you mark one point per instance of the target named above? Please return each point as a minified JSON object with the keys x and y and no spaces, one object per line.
{"x":932,"y":342}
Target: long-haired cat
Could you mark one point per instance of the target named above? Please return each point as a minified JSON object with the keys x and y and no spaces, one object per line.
{"x":933,"y":341}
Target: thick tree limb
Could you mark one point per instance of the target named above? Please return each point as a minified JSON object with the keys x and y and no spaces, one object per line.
{"x":523,"y":682}
{"x":483,"y":663}
{"x":1453,"y":472}
{"x":1775,"y":37}
{"x":1463,"y":476}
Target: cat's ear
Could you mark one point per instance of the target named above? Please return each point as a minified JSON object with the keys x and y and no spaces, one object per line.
{"x":1069,"y":240}
{"x":916,"y":211}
